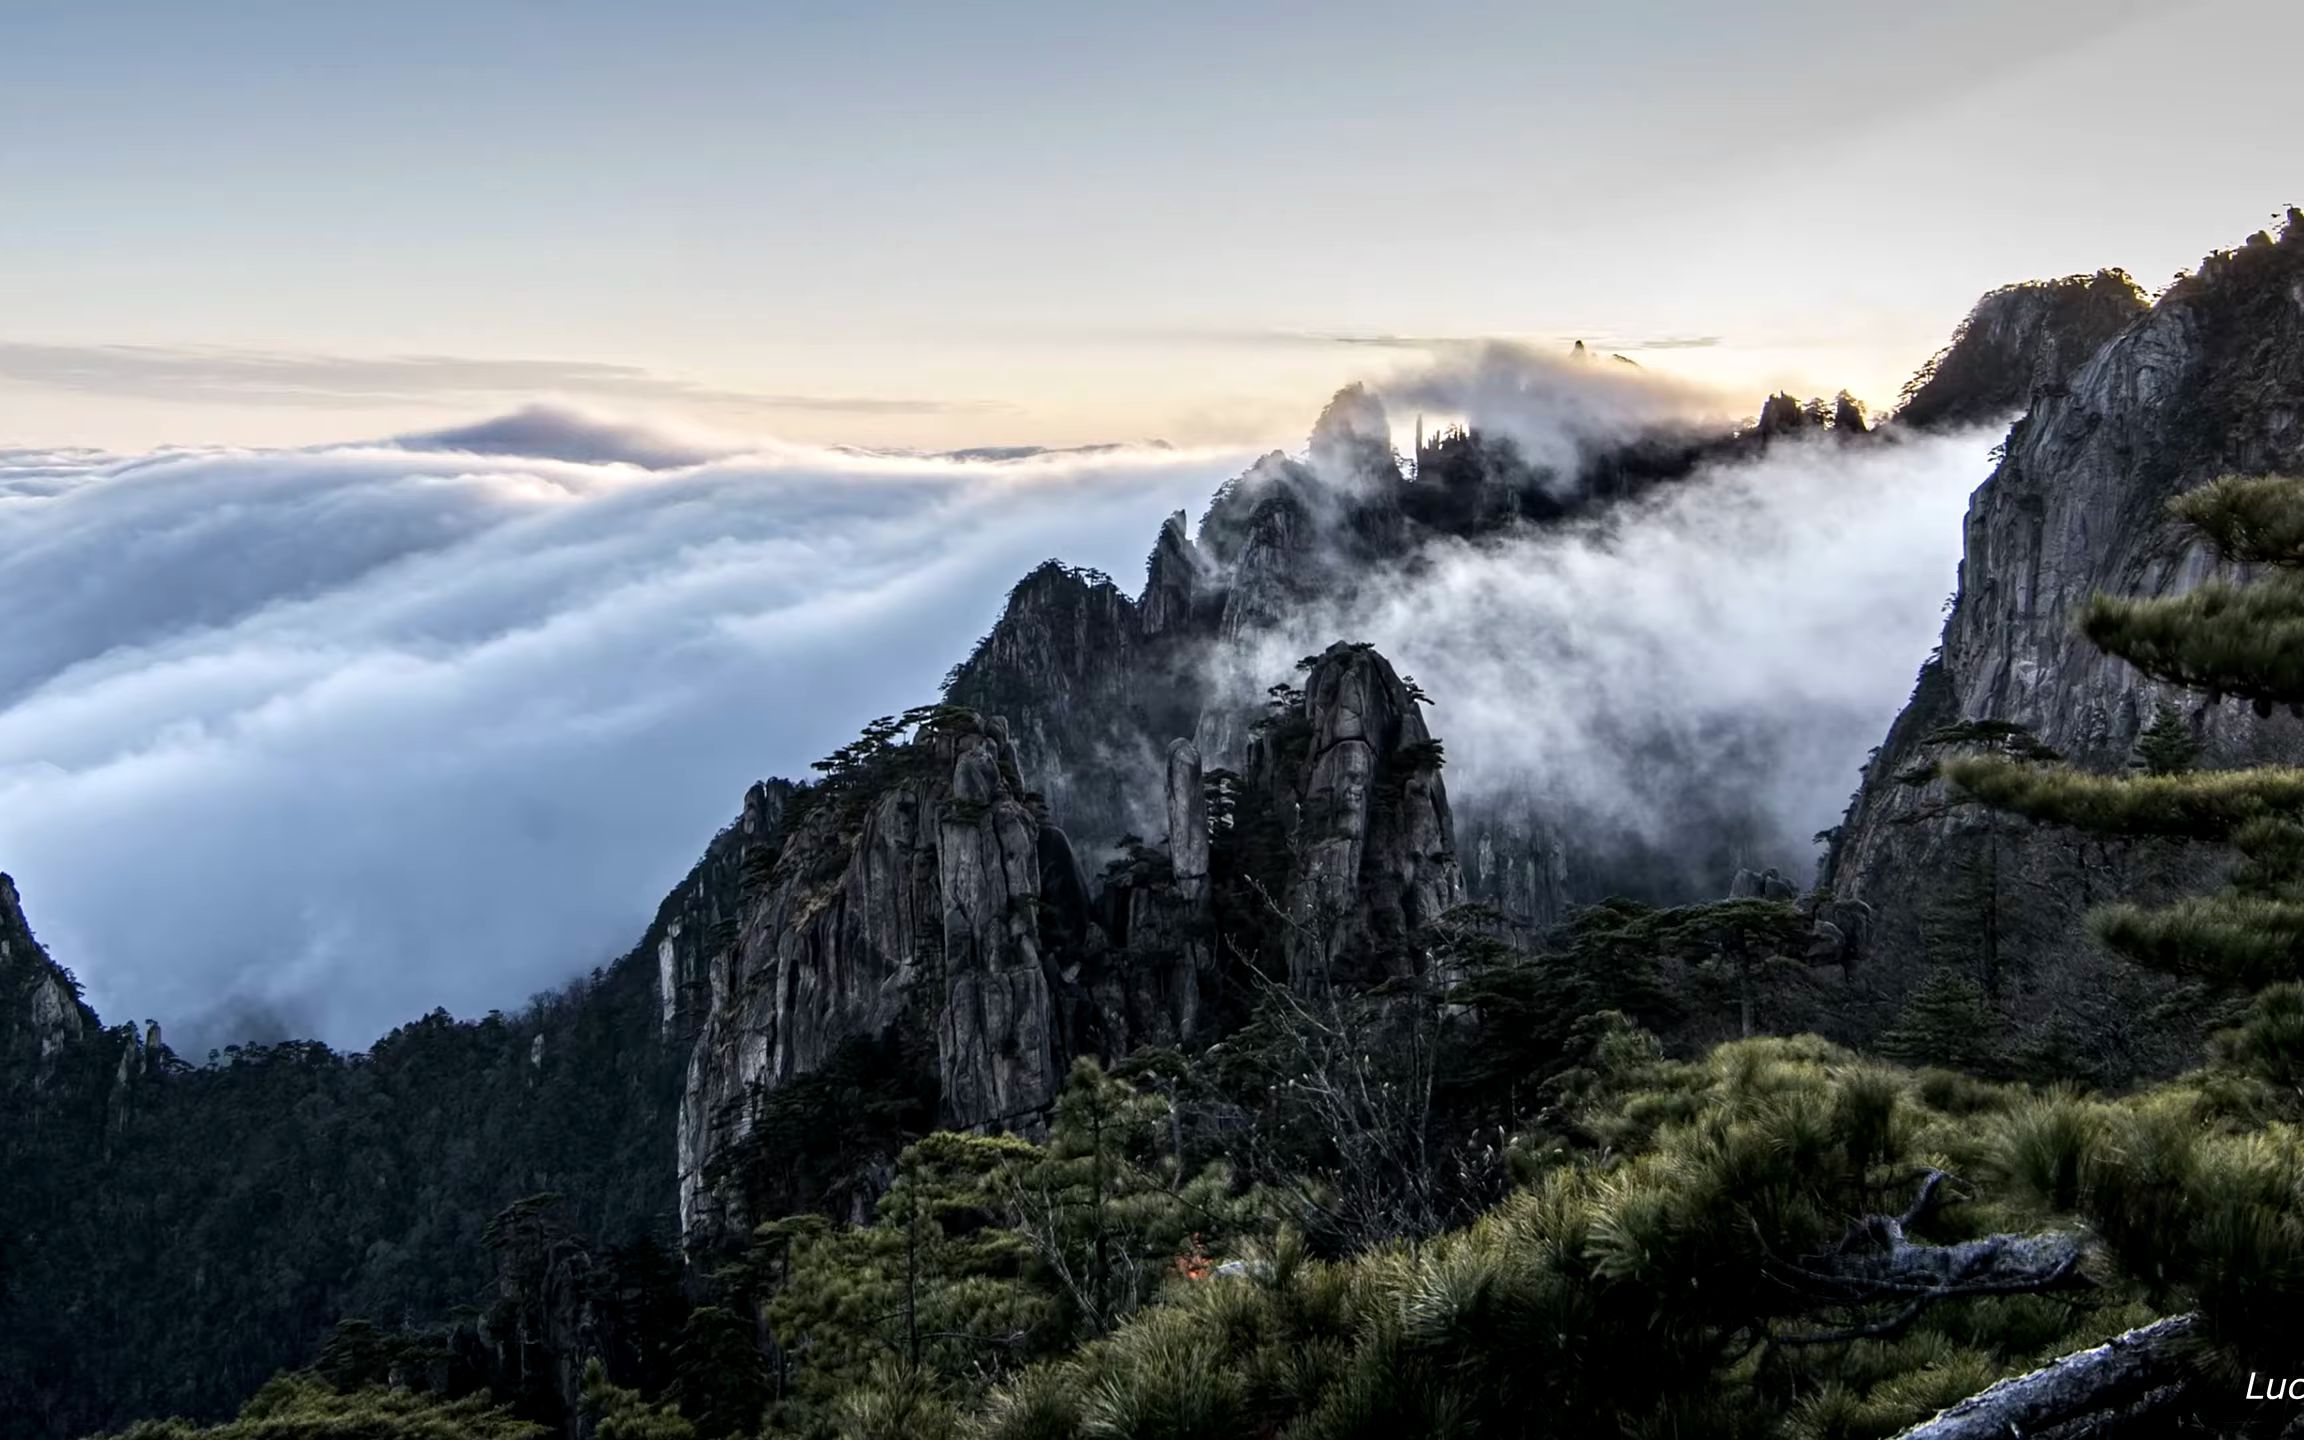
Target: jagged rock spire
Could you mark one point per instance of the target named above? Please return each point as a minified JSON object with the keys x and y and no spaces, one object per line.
{"x":40,"y":1010}
{"x":1173,"y":580}
{"x":1187,"y":819}
{"x":1375,"y":849}
{"x":912,"y":897}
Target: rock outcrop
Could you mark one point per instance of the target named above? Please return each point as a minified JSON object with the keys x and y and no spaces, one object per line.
{"x":41,"y":1013}
{"x":1513,"y":859}
{"x":909,"y":894}
{"x":2019,"y":341}
{"x":2209,"y":382}
{"x":1094,"y":684}
{"x":922,"y":899}
{"x":1149,"y":982}
{"x":1373,"y":851}
{"x":1175,"y":578}
{"x":697,"y":923}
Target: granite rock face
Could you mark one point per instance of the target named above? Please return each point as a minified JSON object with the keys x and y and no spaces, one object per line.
{"x":2020,"y":341}
{"x":43,"y":1021}
{"x":697,"y":923}
{"x":1077,"y":668}
{"x":2210,"y":381}
{"x":1373,"y":849}
{"x":1150,"y":981}
{"x":927,"y":895}
{"x":1514,"y":860}
{"x":1175,"y":578}
{"x":915,"y":903}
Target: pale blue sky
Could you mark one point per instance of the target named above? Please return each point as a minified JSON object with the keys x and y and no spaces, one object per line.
{"x":946,"y":224}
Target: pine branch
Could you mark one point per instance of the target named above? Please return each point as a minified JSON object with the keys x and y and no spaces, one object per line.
{"x":2202,"y":805}
{"x":2254,"y":520}
{"x":2240,"y":939}
{"x":1878,"y":1263}
{"x":2221,"y":638}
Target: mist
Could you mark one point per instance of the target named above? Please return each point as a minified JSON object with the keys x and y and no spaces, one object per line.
{"x":1691,"y":681}
{"x":1558,"y":410}
{"x":313,"y":741}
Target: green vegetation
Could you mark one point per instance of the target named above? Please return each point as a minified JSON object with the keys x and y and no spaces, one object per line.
{"x":1760,"y":1242}
{"x":304,"y":1407}
{"x":1511,"y":1190}
{"x":2244,"y":640}
{"x":1779,"y":1238}
{"x":2167,"y":746}
{"x":207,"y":1221}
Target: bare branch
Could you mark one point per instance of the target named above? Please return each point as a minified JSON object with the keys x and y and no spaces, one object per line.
{"x":2115,"y":1374}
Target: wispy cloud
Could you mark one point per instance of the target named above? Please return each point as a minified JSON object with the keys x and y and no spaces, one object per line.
{"x":1381,"y":341}
{"x":303,"y":378}
{"x":447,"y":721}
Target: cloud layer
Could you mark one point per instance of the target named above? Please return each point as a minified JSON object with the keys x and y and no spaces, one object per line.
{"x":297,"y":377}
{"x":1689,"y":682}
{"x":312,"y":741}
{"x":1558,"y":410}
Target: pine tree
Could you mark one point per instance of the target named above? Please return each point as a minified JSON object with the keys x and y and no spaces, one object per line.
{"x":1973,"y":915}
{"x":1947,"y":1021}
{"x":614,"y":1413}
{"x":1107,"y":1205}
{"x":720,"y":1379}
{"x":2242,"y":639}
{"x":2167,"y":746}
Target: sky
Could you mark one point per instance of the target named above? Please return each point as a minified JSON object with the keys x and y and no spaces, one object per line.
{"x":273,"y":222}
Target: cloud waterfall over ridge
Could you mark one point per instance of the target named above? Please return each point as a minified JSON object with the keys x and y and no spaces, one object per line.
{"x":312,"y":741}
{"x":1686,"y":681}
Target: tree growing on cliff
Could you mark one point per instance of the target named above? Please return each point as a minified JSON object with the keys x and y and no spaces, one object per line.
{"x":1973,"y":916}
{"x":2225,"y":638}
{"x":1947,"y":1021}
{"x":2167,"y":746}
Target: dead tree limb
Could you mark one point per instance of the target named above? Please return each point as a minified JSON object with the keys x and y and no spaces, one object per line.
{"x":1877,"y":1264}
{"x":2116,"y":1373}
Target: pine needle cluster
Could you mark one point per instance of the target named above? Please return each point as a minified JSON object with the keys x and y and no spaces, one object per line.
{"x":2241,"y":638}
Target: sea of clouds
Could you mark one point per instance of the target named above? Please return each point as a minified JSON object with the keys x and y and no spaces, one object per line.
{"x":312,"y":741}
{"x":308,"y":742}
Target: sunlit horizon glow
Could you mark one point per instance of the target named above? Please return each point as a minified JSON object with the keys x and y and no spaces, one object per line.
{"x":912,"y":226}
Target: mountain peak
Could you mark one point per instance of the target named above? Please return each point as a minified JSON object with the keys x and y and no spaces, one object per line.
{"x":2019,"y":339}
{"x":40,"y":1007}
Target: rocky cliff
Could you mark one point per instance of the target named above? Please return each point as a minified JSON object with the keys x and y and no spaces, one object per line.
{"x":1373,"y":847}
{"x":924,"y":906}
{"x":41,"y":1013}
{"x":2209,"y":381}
{"x":697,"y":924}
{"x":2019,"y":341}
{"x":921,"y":889}
{"x":1095,"y":685}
